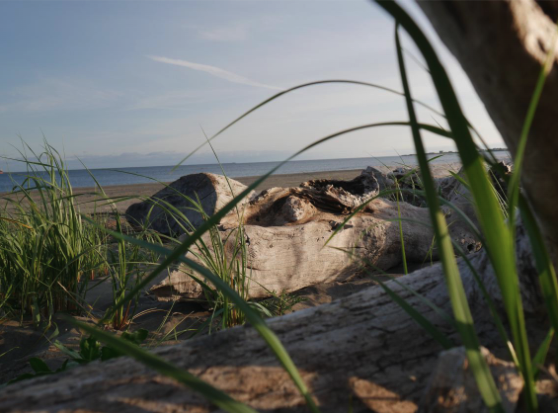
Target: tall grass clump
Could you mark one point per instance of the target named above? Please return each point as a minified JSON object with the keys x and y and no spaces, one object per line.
{"x":48,"y":252}
{"x":127,"y":264}
{"x":228,"y":259}
{"x":224,"y":254}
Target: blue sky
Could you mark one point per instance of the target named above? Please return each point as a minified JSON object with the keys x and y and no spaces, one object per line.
{"x":129,"y":83}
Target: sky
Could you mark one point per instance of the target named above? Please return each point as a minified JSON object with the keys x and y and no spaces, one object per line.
{"x":139,"y":83}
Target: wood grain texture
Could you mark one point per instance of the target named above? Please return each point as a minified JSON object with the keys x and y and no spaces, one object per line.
{"x":210,"y":190}
{"x":287,"y":230}
{"x":362,"y":349}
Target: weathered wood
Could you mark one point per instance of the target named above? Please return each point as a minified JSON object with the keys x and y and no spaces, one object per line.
{"x":361,"y":350}
{"x":287,"y":228}
{"x":210,"y":190}
{"x":288,"y":258}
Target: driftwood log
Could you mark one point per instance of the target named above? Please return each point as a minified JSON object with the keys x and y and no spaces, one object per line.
{"x":211,"y":191}
{"x":286,"y":230}
{"x":361,"y":351}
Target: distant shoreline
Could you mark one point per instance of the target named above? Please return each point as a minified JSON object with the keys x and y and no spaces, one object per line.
{"x":87,"y":196}
{"x":216,"y":164}
{"x":455,"y":152}
{"x":127,"y":177}
{"x":90,"y":201}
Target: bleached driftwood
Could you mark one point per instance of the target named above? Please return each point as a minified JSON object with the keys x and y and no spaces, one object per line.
{"x":361,"y":351}
{"x":212,"y":191}
{"x":287,"y":228}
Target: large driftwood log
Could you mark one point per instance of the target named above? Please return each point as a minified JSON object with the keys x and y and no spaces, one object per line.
{"x":288,"y":258}
{"x":287,"y":228}
{"x":502,"y":45}
{"x":361,"y":351}
{"x":210,"y":190}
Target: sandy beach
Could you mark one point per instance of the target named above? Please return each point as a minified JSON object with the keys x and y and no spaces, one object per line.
{"x":92,"y":201}
{"x":130,"y":194}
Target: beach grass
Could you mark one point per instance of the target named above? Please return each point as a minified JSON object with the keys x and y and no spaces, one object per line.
{"x":48,"y":252}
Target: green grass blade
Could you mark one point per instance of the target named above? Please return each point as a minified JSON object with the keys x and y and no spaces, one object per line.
{"x":462,"y":313}
{"x":513,"y":186}
{"x":543,"y":263}
{"x":498,"y":239}
{"x":491,"y":306}
{"x":540,"y":356}
{"x":400,"y":225}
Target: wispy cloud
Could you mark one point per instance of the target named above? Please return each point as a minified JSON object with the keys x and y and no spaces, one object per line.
{"x":214,"y":71}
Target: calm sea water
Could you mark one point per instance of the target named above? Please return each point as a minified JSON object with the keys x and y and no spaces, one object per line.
{"x":128,"y":176}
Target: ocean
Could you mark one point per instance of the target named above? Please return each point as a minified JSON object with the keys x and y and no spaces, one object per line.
{"x":80,"y":178}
